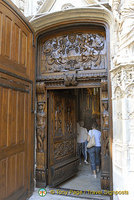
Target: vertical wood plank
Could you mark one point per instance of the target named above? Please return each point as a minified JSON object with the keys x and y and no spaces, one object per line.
{"x":3,"y":178}
{"x":0,"y":31}
{"x":20,"y":118}
{"x":8,"y":36}
{"x":24,"y":49}
{"x":20,"y":170}
{"x":12,"y":118}
{"x":11,"y":184}
{"x":4,"y":120}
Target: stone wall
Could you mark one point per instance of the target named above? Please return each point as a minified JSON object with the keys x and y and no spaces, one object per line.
{"x":28,"y":7}
{"x":122,"y":78}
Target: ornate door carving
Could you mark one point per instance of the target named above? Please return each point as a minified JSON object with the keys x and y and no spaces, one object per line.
{"x":105,"y":153}
{"x":62,"y":160}
{"x":41,"y":134}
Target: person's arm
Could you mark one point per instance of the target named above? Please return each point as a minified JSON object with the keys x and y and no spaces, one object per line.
{"x":88,"y":138}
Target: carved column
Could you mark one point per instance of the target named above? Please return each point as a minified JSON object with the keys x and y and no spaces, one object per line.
{"x":41,"y":134}
{"x":105,"y":157}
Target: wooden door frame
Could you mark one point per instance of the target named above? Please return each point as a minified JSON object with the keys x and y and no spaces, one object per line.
{"x":42,"y":82}
{"x":77,"y":87}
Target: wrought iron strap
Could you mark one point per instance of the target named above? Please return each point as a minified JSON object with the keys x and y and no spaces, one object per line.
{"x":73,"y":52}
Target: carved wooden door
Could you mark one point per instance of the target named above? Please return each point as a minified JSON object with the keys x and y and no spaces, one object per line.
{"x":62,"y":157}
{"x":105,"y":130}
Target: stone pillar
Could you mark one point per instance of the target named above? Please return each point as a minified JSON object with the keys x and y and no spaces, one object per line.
{"x":123,"y":130}
{"x":123,"y":100}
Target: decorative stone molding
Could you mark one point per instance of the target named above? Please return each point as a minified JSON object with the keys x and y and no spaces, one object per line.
{"x":123,"y":31}
{"x":41,"y":23}
{"x":123,"y":78}
{"x":67,"y":6}
{"x":39,"y":4}
{"x":21,"y":5}
{"x":118,"y":94}
{"x":130,"y":91}
{"x":131,"y":159}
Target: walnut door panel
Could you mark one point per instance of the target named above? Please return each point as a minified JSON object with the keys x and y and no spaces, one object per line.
{"x":14,"y":132}
{"x":62,"y":160}
{"x":16,"y":104}
{"x":15,"y":42}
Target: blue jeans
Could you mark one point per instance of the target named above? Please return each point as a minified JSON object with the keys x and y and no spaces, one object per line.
{"x":97,"y":160}
{"x":82,"y":149}
{"x":94,"y":153}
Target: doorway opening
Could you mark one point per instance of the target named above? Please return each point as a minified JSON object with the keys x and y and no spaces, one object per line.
{"x":65,"y":109}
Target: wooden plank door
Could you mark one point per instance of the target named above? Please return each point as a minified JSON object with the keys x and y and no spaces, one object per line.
{"x":62,"y":157}
{"x":16,"y":104}
{"x":105,"y":130}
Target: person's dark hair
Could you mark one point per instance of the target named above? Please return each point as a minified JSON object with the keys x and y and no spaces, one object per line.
{"x":94,"y":125}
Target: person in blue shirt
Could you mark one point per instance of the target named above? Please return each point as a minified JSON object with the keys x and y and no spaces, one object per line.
{"x":94,"y":151}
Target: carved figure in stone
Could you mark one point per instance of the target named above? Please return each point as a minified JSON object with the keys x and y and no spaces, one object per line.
{"x":116,"y":13}
{"x":21,"y":5}
{"x":118,"y":93}
{"x":127,"y":11}
{"x":39,"y":3}
{"x":130,"y":91}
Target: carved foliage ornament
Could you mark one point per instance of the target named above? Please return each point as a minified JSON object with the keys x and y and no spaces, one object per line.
{"x":63,"y":149}
{"x":74,"y":51}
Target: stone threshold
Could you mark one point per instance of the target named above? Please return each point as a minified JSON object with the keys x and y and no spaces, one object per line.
{"x":89,"y":194}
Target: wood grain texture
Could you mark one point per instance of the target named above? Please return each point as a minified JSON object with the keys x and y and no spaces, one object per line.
{"x":62,"y":156}
{"x":16,"y":100}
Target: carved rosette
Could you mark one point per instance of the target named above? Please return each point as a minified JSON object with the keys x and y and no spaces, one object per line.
{"x":41,"y":133}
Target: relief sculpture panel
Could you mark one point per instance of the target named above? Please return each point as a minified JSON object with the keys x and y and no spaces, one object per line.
{"x":73,"y":52}
{"x":63,"y":149}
